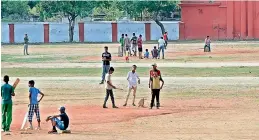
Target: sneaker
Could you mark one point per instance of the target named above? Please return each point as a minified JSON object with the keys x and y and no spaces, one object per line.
{"x":105,"y":106}
{"x":125,"y":105}
{"x":114,"y":106}
{"x":101,"y":82}
{"x":133,"y":104}
{"x":53,"y":132}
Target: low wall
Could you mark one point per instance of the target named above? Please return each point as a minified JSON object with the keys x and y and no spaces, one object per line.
{"x":40,"y":32}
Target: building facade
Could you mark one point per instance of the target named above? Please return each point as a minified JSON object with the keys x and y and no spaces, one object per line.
{"x":222,"y":20}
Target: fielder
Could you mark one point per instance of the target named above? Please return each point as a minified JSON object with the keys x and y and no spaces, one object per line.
{"x":132,"y":78}
{"x":155,"y":87}
{"x":134,"y":44}
{"x":7,"y":91}
{"x":61,"y":123}
{"x":109,"y":86}
{"x":34,"y":104}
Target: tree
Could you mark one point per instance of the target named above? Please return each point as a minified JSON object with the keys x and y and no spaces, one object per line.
{"x":110,"y":10}
{"x":14,"y":10}
{"x":159,"y":9}
{"x":69,"y":9}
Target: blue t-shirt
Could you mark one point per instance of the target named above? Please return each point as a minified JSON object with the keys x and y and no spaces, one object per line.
{"x":146,"y":55}
{"x":34,"y":95}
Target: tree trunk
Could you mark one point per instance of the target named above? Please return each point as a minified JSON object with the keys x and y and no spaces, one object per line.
{"x":160,"y":25}
{"x":71,"y":28}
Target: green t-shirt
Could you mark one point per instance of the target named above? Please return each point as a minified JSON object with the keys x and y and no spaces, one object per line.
{"x":6,"y":93}
{"x":134,"y":40}
{"x":26,"y":40}
{"x":122,"y":41}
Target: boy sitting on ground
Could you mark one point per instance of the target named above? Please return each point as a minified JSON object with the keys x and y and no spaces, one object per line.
{"x":146,"y":55}
{"x":155,"y":53}
{"x":61,"y":123}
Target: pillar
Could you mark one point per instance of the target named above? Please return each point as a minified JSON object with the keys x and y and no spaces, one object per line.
{"x":250,"y":19}
{"x":11,"y":33}
{"x":148,"y":31}
{"x":114,"y":32}
{"x":81,"y":27}
{"x":230,"y":19}
{"x":243,"y":21}
{"x":46,"y":33}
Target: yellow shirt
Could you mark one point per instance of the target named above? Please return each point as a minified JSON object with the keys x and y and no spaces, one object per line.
{"x":156,"y":81}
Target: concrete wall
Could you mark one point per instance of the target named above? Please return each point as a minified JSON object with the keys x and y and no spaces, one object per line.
{"x":129,"y":28}
{"x":172,"y":29}
{"x":85,"y":32}
{"x":59,"y":33}
{"x":4,"y":33}
{"x":34,"y":31}
{"x":98,"y":32}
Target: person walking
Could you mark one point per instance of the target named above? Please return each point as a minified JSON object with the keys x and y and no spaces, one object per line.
{"x":161,"y":45}
{"x":106,"y":58}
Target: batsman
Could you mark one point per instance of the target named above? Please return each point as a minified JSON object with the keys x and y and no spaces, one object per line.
{"x":132,"y":78}
{"x":7,"y":91}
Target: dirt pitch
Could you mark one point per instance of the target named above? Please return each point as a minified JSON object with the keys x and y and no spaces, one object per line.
{"x":192,"y":108}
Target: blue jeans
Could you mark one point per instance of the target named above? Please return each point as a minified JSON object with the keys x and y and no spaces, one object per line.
{"x":105,"y":71}
{"x":59,"y":124}
{"x":162,"y":47}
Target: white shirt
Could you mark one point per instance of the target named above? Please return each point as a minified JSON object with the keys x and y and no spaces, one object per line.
{"x":132,"y":79}
{"x":108,"y":78}
{"x":161,"y":42}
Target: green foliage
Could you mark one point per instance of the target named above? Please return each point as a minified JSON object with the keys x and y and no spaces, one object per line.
{"x":15,"y":10}
{"x":111,"y":12}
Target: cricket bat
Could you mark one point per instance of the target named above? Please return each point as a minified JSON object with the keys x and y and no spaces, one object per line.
{"x":16,"y":83}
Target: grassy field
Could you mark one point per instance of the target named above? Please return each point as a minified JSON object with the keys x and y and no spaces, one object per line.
{"x":142,"y":71}
{"x":196,"y":103}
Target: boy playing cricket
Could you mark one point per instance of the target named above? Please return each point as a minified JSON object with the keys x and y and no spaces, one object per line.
{"x":7,"y":91}
{"x":132,"y":78}
{"x":62,"y":123}
{"x":34,"y":104}
{"x":109,"y":86}
{"x":155,"y":88}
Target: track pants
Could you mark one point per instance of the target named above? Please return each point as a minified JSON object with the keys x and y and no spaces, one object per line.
{"x":6,"y":116}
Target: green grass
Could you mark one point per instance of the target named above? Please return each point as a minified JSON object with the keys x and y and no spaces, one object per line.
{"x":173,"y":72}
{"x":25,"y":59}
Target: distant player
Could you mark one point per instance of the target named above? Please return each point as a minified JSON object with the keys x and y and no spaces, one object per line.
{"x":134,"y":44}
{"x":207,"y":43}
{"x":151,"y":74}
{"x":109,"y":86}
{"x":62,"y":123}
{"x":155,"y":88}
{"x":140,"y":47}
{"x":106,"y":58}
{"x":133,"y":79}
{"x":166,"y":39}
{"x":146,"y":54}
{"x":122,"y":51}
{"x":26,"y":42}
{"x":7,"y":91}
{"x":34,"y":104}
{"x":161,"y":44}
{"x":155,"y":53}
{"x":127,"y":43}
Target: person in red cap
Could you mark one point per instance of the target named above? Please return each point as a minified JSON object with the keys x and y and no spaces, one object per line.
{"x":152,"y":73}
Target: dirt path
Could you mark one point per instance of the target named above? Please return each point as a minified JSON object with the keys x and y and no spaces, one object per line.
{"x":98,"y":65}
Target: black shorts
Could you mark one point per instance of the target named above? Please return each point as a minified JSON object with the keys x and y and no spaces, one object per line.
{"x":140,"y":49}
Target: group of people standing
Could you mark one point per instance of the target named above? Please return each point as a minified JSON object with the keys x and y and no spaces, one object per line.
{"x":135,"y":44}
{"x":133,"y":79}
